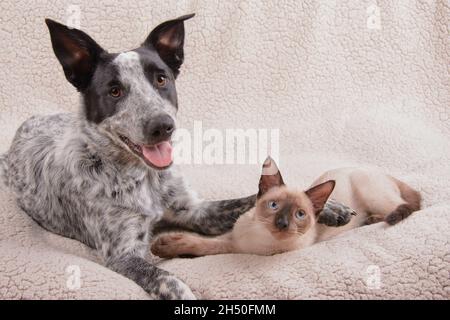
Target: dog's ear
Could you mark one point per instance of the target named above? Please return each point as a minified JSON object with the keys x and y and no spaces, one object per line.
{"x":319,"y":194}
{"x":76,"y":51}
{"x":270,"y":177}
{"x":168,"y":40}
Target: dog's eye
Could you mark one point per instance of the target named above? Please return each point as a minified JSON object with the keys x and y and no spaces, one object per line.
{"x":272,"y":205}
{"x":300,"y":214}
{"x":161,"y":80}
{"x":115,"y":92}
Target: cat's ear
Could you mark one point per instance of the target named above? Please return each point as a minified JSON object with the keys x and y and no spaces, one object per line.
{"x":77,"y":52}
{"x":168,"y":40}
{"x":270,"y":177}
{"x":319,"y":194}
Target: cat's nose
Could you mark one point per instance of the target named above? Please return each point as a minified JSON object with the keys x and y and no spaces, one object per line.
{"x":282,"y":223}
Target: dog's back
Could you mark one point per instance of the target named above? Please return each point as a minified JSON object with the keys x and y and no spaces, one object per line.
{"x":37,"y":173}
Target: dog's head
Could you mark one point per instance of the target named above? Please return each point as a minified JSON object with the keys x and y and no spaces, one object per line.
{"x":130,"y":96}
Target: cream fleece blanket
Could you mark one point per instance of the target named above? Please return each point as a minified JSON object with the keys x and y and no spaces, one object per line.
{"x":348,"y":83}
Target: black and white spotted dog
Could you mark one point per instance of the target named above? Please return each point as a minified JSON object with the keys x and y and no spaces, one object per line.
{"x":103,"y":177}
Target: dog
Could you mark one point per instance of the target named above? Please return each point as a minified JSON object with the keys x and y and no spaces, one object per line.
{"x":104,"y":176}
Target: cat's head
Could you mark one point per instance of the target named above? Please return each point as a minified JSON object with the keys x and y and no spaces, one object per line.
{"x":287,"y":212}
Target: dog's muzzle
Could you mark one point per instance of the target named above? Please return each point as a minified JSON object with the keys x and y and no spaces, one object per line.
{"x":158,"y":129}
{"x":156,"y":151}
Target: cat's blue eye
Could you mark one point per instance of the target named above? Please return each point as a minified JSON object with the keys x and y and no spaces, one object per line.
{"x":272,"y":205}
{"x":300,"y":214}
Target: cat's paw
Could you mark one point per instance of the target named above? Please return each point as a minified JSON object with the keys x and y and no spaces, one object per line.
{"x":169,"y":287}
{"x":335,"y":214}
{"x":168,"y":245}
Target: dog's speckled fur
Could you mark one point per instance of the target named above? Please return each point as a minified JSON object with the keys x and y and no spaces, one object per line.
{"x":75,"y":177}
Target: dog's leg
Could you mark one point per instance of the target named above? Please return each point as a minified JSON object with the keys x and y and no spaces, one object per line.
{"x":205,"y":217}
{"x":158,"y":283}
{"x":335,"y":214}
{"x":125,"y":241}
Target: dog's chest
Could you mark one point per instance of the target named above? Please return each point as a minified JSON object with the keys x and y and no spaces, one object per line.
{"x":142,"y":195}
{"x":148,"y":200}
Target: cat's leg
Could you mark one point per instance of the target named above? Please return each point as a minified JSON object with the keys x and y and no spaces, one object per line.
{"x":373,"y":219}
{"x":412,"y":203}
{"x":175,"y":244}
{"x":401,"y":212}
{"x":391,"y":202}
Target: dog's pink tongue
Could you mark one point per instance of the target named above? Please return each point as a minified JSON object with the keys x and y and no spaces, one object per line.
{"x":159,"y":155}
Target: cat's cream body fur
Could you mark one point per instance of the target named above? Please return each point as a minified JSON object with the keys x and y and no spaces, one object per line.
{"x":370,"y":192}
{"x":374,"y":196}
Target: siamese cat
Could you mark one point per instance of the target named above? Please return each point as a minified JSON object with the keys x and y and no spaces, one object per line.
{"x":285,"y":219}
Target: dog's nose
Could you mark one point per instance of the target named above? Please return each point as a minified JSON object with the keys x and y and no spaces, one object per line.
{"x":159,"y":128}
{"x":282,"y":222}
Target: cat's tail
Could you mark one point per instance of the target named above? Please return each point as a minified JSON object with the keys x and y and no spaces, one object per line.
{"x":412,"y":203}
{"x":4,"y":169}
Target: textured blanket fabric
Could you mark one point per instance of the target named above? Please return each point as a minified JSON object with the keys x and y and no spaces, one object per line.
{"x":346,"y":83}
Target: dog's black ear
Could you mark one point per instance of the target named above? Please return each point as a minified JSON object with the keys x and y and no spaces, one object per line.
{"x":270,"y":177}
{"x":168,"y":40}
{"x":76,"y":51}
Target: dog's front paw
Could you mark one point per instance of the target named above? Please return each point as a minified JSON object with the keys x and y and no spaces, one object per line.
{"x":169,"y":287}
{"x":168,"y":245}
{"x":335,"y":214}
